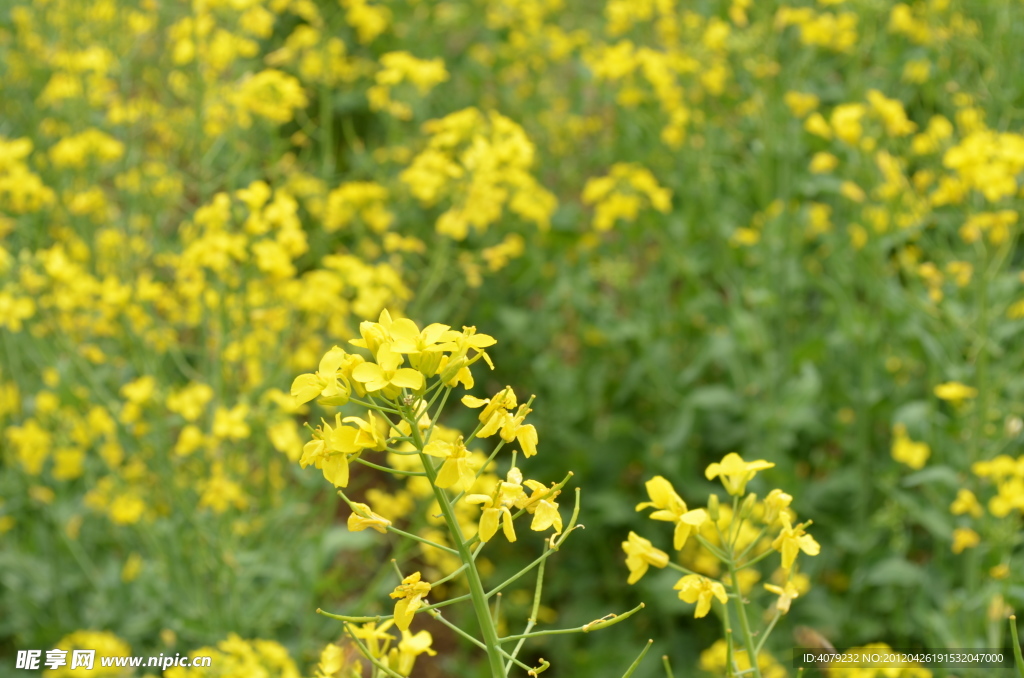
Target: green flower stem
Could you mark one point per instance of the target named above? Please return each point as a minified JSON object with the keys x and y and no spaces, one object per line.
{"x":741,"y":613}
{"x":439,"y":617}
{"x":387,"y":469}
{"x":373,"y":406}
{"x":532,"y":621}
{"x":476,"y":587}
{"x":668,"y":667}
{"x":727,"y":624}
{"x":768,"y":631}
{"x":460,"y":632}
{"x":496,"y":613}
{"x":553,"y":546}
{"x":755,"y":560}
{"x":711,"y":547}
{"x":636,"y":662}
{"x":383,"y":617}
{"x":366,"y":653}
{"x":680,"y":568}
{"x":448,"y":577}
{"x":595,"y":625}
{"x":752,"y":544}
{"x":403,"y":533}
{"x":421,"y":540}
{"x":1016,"y":645}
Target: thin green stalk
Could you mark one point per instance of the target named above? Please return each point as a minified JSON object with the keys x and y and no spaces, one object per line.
{"x":636,"y":662}
{"x":768,"y":631}
{"x":1016,"y":645}
{"x":476,"y":587}
{"x":532,"y":621}
{"x":387,"y":469}
{"x":595,"y":625}
{"x":366,"y":653}
{"x":741,"y":613}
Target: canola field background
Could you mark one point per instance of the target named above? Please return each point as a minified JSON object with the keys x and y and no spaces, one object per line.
{"x":784,"y":229}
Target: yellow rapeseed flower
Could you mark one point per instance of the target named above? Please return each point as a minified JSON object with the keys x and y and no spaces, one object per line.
{"x":640,"y":554}
{"x":964,"y":538}
{"x":410,"y":595}
{"x":671,"y":508}
{"x":955,"y":392}
{"x":792,"y":540}
{"x":693,"y":588}
{"x":735,"y":473}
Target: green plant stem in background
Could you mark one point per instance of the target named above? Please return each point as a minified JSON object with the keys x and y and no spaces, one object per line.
{"x":1015,"y":639}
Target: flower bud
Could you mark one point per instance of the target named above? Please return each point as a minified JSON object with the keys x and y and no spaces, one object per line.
{"x":451,"y":370}
{"x":713,"y":507}
{"x":747,"y":507}
{"x":426,"y":362}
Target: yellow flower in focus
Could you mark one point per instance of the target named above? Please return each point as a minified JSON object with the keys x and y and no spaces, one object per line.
{"x":362,"y":517}
{"x":792,"y":540}
{"x":671,"y":508}
{"x":640,"y":554}
{"x":325,"y":381}
{"x":735,"y":473}
{"x":329,"y":450}
{"x":541,"y":503}
{"x":955,"y":392}
{"x":457,"y":466}
{"x":496,"y":506}
{"x":964,"y":538}
{"x":693,"y":588}
{"x":386,"y":375}
{"x":422,"y":348}
{"x":410,"y":595}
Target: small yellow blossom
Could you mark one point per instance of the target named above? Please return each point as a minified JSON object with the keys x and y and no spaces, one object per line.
{"x":640,"y":554}
{"x":362,"y":517}
{"x":386,"y":375}
{"x":792,"y":540}
{"x":693,"y":588}
{"x":410,"y":595}
{"x":955,"y":392}
{"x":735,"y":473}
{"x":457,"y":466}
{"x":906,"y":451}
{"x":497,"y":506}
{"x":671,"y":508}
{"x":966,"y":502}
{"x":964,"y":538}
{"x":785,"y":593}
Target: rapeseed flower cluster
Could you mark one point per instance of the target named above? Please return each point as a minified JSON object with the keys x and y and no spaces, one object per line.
{"x":403,"y":375}
{"x":725,"y":541}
